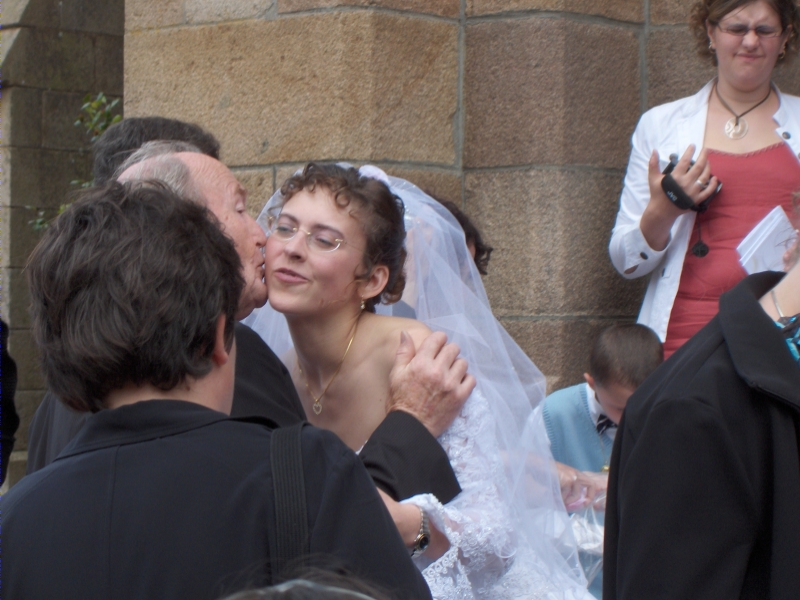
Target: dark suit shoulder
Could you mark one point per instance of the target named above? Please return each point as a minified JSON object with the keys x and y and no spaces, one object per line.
{"x":686,"y":374}
{"x":51,"y":430}
{"x":263,"y":386}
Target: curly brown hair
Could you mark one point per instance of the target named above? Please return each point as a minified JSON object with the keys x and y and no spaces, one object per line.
{"x":713,"y":11}
{"x":382,"y":226}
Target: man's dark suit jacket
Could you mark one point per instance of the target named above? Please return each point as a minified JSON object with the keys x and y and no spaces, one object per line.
{"x":704,"y":489}
{"x":402,"y":457}
{"x":9,"y":420}
{"x":169,"y":499}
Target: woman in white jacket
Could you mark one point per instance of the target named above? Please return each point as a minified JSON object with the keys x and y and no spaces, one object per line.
{"x":740,"y":130}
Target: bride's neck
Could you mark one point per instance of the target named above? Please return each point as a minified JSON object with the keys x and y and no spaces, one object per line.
{"x":320,"y":342}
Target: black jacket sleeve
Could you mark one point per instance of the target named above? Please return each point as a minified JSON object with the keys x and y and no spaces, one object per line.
{"x":404,"y":460}
{"x":349,"y":521}
{"x":9,"y":420}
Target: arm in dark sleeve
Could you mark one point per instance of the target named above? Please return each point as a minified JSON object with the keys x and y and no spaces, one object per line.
{"x":53,"y":426}
{"x":404,"y":460}
{"x":9,"y":420}
{"x":350,"y":521}
{"x":682,"y":518}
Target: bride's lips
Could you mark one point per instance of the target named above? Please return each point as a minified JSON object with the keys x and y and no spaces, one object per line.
{"x":288,"y":276}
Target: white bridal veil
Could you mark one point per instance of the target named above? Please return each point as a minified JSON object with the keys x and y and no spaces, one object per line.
{"x":510,"y":508}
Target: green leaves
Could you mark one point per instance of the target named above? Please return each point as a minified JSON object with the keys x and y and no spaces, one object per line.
{"x":97,"y":115}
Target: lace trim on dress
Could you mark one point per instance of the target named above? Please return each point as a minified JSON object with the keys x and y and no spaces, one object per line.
{"x":485,"y":559}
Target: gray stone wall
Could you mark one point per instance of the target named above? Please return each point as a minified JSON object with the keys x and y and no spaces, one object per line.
{"x":53,"y":54}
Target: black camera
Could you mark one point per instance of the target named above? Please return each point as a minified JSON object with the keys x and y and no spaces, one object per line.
{"x":676,"y":194}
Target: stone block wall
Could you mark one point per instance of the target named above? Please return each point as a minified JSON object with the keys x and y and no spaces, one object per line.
{"x":551,"y":101}
{"x":519,"y":110}
{"x":53,"y":54}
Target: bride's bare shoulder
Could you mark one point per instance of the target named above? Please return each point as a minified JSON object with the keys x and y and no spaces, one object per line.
{"x":390,"y":328}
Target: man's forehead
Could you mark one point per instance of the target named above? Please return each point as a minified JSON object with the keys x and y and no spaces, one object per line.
{"x":136,"y":170}
{"x":200,"y":165}
{"x":207,"y":171}
{"x":149,"y":166}
{"x":209,"y":179}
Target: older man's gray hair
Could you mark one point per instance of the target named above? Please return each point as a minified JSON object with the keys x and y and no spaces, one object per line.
{"x":157,"y":160}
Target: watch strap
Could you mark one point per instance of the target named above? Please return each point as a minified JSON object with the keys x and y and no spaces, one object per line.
{"x":423,"y":537}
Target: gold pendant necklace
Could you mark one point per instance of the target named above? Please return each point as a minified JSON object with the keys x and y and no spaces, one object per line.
{"x":736,"y":127}
{"x":317,"y":407}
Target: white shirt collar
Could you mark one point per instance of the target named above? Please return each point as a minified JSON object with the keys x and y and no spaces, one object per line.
{"x":595,"y":410}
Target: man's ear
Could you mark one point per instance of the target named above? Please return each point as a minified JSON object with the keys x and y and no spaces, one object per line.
{"x":590,"y":380}
{"x":222,"y":350}
{"x":376,"y":282}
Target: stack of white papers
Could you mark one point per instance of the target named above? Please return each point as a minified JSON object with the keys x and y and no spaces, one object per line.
{"x":763,"y":248}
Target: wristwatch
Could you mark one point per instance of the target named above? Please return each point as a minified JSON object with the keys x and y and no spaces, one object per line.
{"x":423,"y":537}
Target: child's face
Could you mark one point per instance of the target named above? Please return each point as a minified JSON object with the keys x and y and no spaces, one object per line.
{"x":613,"y":397}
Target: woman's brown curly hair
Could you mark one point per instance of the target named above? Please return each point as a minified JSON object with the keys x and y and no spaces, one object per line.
{"x":712,"y":12}
{"x":383,"y":224}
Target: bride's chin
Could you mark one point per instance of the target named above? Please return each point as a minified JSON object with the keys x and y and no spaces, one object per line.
{"x":282,"y":304}
{"x":308,"y":305}
{"x":293,"y":307}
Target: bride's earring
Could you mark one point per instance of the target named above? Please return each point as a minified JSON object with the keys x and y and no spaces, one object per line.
{"x":363,"y":304}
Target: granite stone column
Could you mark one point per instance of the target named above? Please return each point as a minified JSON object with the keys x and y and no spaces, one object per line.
{"x":53,"y":53}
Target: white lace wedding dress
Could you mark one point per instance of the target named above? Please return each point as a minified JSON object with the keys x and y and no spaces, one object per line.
{"x":508,"y":530}
{"x":488,"y":557}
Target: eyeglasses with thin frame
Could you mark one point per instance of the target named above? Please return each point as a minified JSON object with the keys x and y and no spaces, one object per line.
{"x":320,"y":241}
{"x":741,"y":30}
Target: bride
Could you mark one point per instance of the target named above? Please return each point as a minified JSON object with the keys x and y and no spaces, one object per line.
{"x":336,"y":251}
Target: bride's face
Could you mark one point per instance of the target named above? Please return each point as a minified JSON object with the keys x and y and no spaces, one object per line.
{"x":302,"y":277}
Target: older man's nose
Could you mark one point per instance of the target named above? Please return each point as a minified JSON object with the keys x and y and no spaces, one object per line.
{"x":258,"y":233}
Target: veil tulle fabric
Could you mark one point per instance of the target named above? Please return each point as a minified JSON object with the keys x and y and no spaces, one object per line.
{"x":509,"y":530}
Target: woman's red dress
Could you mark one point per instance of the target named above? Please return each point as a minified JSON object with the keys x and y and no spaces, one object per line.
{"x":752,"y":185}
